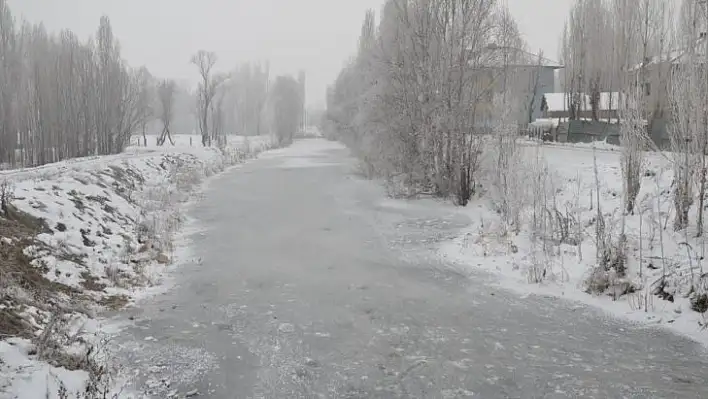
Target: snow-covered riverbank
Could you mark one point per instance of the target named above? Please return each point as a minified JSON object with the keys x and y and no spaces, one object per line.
{"x":662,"y":265}
{"x":85,"y":235}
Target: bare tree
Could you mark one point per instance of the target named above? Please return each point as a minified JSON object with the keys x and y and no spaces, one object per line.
{"x":700,"y":135}
{"x":534,"y":82}
{"x":632,"y":137}
{"x":689,"y":94}
{"x":166,"y":95}
{"x":144,"y":80}
{"x":588,"y":35}
{"x":216,"y":116}
{"x":208,"y":85}
{"x":10,"y":67}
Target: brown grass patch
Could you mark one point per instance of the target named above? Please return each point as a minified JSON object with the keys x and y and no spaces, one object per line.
{"x":15,"y":265}
{"x":114,"y":302}
{"x":12,"y":325}
{"x":91,"y":283}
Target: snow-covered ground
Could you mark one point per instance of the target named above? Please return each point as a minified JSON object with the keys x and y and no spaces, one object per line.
{"x":331,"y":290}
{"x":102,"y":234}
{"x":593,"y":146}
{"x":110,"y":225}
{"x":656,"y":254}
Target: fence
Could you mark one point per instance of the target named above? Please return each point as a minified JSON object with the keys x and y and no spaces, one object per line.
{"x":584,"y":131}
{"x":589,"y":131}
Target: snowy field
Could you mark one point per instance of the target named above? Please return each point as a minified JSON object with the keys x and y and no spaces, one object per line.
{"x":665,"y":268}
{"x":96,"y":233}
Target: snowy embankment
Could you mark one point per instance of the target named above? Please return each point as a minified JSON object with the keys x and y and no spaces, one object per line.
{"x":665,"y":273}
{"x":85,"y":235}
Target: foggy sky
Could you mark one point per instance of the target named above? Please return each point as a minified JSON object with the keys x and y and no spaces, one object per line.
{"x":317,"y":36}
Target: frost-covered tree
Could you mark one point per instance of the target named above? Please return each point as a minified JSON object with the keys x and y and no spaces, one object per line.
{"x":634,"y":27}
{"x":416,"y":100}
{"x":61,"y":97}
{"x":585,"y":42}
{"x":619,"y":46}
{"x":287,"y":106}
{"x":689,"y":130}
{"x":244,"y":99}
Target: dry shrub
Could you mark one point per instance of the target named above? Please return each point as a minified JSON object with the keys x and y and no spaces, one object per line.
{"x":611,"y":250}
{"x":117,"y":276}
{"x":93,"y":357}
{"x":6,"y":195}
{"x":507,"y":181}
{"x":699,"y":303}
{"x":102,"y":374}
{"x":612,"y":260}
{"x":641,"y":300}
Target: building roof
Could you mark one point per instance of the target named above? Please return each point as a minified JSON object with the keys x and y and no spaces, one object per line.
{"x":678,"y":55}
{"x":557,"y":102}
{"x":516,"y":57}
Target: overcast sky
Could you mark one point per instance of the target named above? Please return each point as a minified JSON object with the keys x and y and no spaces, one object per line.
{"x":317,"y":36}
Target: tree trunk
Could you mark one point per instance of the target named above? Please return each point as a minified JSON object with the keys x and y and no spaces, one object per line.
{"x":701,"y":198}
